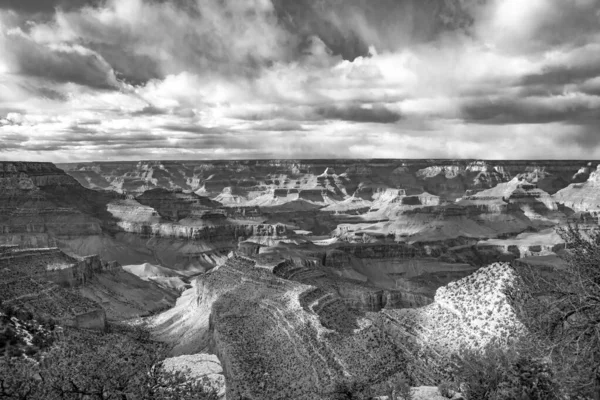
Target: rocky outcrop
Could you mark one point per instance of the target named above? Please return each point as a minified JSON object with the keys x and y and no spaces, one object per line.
{"x":278,"y":338}
{"x":53,"y":265}
{"x":32,"y":175}
{"x":210,"y":234}
{"x":469,"y":313}
{"x":132,"y":211}
{"x":510,"y":196}
{"x":582,"y":197}
{"x":175,"y":205}
{"x":83,"y":292}
{"x":40,"y":204}
{"x":28,"y":280}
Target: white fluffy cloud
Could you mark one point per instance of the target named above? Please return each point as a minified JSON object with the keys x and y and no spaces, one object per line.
{"x":136,"y":79}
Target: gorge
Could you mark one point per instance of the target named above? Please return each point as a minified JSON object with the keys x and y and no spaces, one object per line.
{"x":292,"y":275}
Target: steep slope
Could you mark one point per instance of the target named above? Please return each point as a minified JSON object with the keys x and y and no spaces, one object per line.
{"x":40,"y":204}
{"x":470,"y":313}
{"x":582,"y":197}
{"x":164,"y":277}
{"x":78,"y":291}
{"x":278,"y":338}
{"x":42,"y":280}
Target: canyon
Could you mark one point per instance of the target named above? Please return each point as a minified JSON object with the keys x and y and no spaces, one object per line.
{"x":291,"y":275}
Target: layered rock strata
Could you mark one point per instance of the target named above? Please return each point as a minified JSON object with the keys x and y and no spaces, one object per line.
{"x":40,"y":280}
{"x":278,"y":338}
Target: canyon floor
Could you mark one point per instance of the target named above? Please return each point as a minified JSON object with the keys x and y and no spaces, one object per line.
{"x":277,"y":279}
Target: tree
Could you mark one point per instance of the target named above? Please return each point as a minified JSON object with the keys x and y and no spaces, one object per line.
{"x":495,"y":373}
{"x":399,"y":389}
{"x":17,"y":379}
{"x":350,"y":390}
{"x":98,"y":366}
{"x":564,"y":311}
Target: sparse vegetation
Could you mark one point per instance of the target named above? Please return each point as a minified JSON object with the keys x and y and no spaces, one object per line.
{"x":564,"y":312}
{"x":504,"y":374}
{"x":89,"y":365}
{"x":350,"y":390}
{"x":400,"y":389}
{"x":446,"y":389}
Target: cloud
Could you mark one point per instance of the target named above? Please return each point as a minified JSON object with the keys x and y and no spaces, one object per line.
{"x":282,"y":78}
{"x":63,"y":63}
{"x":46,"y":6}
{"x":366,"y":113}
{"x":534,"y":110}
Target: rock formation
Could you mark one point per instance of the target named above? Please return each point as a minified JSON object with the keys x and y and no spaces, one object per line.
{"x":278,"y":338}
{"x":295,"y":274}
{"x":582,"y":197}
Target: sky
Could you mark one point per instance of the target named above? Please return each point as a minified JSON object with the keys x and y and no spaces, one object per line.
{"x":94,"y":80}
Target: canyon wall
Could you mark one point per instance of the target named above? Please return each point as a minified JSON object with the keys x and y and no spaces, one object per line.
{"x":450,"y":178}
{"x":42,"y":281}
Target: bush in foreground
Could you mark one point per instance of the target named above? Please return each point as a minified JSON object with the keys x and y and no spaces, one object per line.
{"x":499,"y":374}
{"x":103,"y":366}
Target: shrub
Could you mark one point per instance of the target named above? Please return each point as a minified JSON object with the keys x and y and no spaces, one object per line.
{"x":563,"y":311}
{"x":31,"y":351}
{"x":497,"y":374}
{"x":350,"y":390}
{"x":41,"y":341}
{"x":97,"y":366}
{"x":446,"y":390}
{"x":399,"y":389}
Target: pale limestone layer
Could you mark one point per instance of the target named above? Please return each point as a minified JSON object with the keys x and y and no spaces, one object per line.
{"x":202,"y":367}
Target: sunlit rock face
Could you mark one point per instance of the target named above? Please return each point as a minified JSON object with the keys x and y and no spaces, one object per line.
{"x":469,"y":313}
{"x":582,"y":197}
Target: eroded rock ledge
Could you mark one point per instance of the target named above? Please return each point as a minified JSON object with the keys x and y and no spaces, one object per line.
{"x":41,"y":280}
{"x":279,"y":338}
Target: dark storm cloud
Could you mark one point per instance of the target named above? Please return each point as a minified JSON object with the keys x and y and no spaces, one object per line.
{"x":150,"y":110}
{"x":51,"y":94}
{"x":568,"y":23}
{"x":586,"y":138}
{"x":278,"y":126}
{"x":132,"y":68}
{"x":62,"y":64}
{"x":354,"y":113}
{"x":529,"y":111}
{"x":189,"y":128}
{"x":45,"y":6}
{"x":563,"y":75}
{"x":349,"y":27}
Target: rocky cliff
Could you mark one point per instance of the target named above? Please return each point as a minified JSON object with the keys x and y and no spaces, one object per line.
{"x":32,"y":175}
{"x":80,"y":291}
{"x":40,"y":280}
{"x":39,"y":204}
{"x":278,"y":338}
{"x":469,"y":313}
{"x":583,"y":196}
